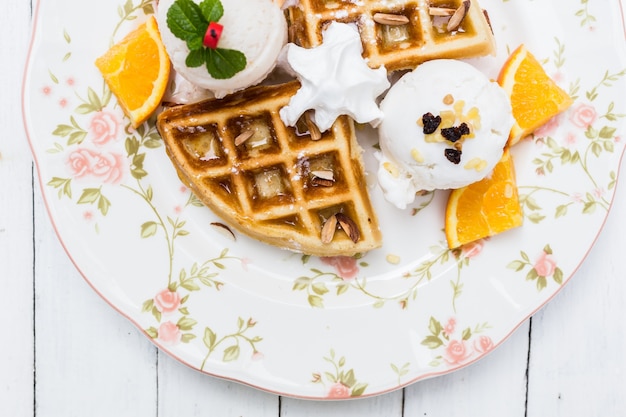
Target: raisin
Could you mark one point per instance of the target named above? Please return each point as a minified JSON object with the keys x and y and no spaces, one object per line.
{"x":431,"y":123}
{"x":453,"y":155}
{"x":455,"y":133}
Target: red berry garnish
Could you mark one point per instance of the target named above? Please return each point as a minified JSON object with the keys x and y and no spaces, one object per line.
{"x":212,"y":35}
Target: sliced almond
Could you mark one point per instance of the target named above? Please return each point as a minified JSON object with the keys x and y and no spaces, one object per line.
{"x":323,"y":178}
{"x":486,"y":14}
{"x":314,"y":131}
{"x":225,"y":230}
{"x":320,"y":182}
{"x":243,"y":136}
{"x":458,"y":16}
{"x":349,"y":226}
{"x":441,"y":11}
{"x":328,"y":230}
{"x":390,"y":19}
{"x":324,"y":174}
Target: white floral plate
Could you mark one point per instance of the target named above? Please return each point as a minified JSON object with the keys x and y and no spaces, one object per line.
{"x":303,"y":326}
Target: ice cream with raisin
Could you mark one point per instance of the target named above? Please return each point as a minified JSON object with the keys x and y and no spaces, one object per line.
{"x":445,"y":126}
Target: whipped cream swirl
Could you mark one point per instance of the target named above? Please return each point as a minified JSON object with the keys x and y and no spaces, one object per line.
{"x":335,"y":79}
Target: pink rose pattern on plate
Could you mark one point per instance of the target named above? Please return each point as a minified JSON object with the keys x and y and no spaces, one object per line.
{"x":339,"y":382}
{"x":101,"y":151}
{"x":455,"y":347}
{"x":540,"y":269}
{"x":585,"y":133}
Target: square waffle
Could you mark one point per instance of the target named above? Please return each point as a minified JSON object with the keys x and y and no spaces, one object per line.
{"x":399,"y":34}
{"x":273,"y":182}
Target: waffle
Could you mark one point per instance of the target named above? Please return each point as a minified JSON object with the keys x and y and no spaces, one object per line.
{"x":270,"y":181}
{"x":399,"y":34}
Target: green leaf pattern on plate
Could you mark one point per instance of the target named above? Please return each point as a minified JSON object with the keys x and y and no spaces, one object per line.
{"x":104,"y":156}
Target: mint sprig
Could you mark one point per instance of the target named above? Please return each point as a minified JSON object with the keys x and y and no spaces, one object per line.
{"x":189,"y":21}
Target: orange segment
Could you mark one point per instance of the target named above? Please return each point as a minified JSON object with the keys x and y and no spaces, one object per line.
{"x":137,"y":69}
{"x":484,"y":208}
{"x":535,"y":97}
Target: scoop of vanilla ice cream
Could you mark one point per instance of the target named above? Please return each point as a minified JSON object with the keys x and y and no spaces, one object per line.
{"x":411,"y":160}
{"x":257,"y":28}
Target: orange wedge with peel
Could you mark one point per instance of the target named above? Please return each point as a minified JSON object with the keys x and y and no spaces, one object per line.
{"x":535,"y":97}
{"x":484,"y":208}
{"x":137,"y":70}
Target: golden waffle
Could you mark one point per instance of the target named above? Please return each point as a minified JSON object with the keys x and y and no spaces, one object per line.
{"x":399,"y":34}
{"x":273,"y":182}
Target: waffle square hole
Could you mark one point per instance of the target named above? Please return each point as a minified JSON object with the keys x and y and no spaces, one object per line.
{"x":353,"y":228}
{"x":254,"y":135}
{"x":270,"y":185}
{"x":392,"y":37}
{"x":203,"y":144}
{"x":440,"y":23}
{"x":302,"y":134}
{"x":321,"y":174}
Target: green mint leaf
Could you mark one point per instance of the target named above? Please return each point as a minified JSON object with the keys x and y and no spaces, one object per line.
{"x":224,"y":63}
{"x":212,"y":10}
{"x":195,"y":58}
{"x":186,"y":21}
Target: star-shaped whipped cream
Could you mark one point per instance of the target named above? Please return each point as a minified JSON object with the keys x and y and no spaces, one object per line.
{"x":335,"y":79}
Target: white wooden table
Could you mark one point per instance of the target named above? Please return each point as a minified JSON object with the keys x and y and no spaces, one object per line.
{"x":65,"y":352}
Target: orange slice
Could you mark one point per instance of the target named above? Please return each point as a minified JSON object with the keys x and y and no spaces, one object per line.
{"x":137,"y":69}
{"x":484,"y":208}
{"x":535,"y":97}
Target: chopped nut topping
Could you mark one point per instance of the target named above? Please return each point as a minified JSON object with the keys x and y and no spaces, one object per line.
{"x":476,"y":164}
{"x":393,"y":259}
{"x":448,"y":117}
{"x":328,"y":230}
{"x":453,"y":155}
{"x":390,"y":19}
{"x":349,"y":226}
{"x":391,"y":169}
{"x":441,"y":11}
{"x":326,"y":174}
{"x":314,"y":131}
{"x":323,"y":178}
{"x":243,"y":136}
{"x":486,"y":14}
{"x":320,"y":182}
{"x":417,"y":156}
{"x":448,"y":99}
{"x":225,"y":230}
{"x":430,"y":123}
{"x":458,"y":16}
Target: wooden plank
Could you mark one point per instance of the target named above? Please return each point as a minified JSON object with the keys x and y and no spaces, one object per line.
{"x":184,"y":392}
{"x":493,"y":386}
{"x":578,"y":366}
{"x":16,"y":210}
{"x":388,"y":405}
{"x":90,"y":361}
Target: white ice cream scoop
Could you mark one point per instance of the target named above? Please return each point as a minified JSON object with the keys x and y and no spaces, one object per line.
{"x":256,"y":28}
{"x":470,"y":118}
